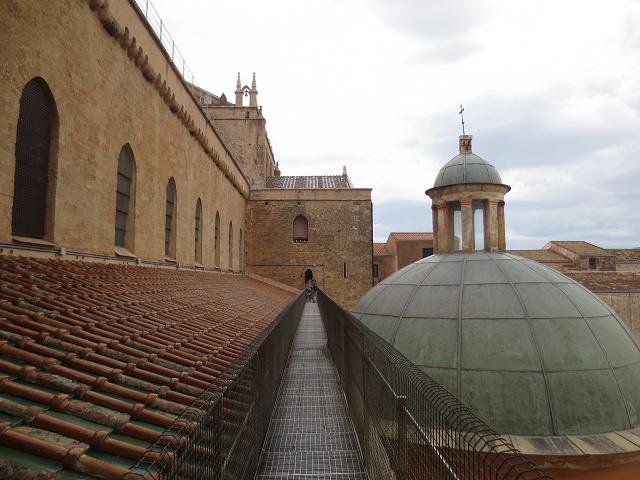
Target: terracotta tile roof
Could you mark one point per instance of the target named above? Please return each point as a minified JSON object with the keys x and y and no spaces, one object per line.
{"x":412,"y":235}
{"x":309,"y":181}
{"x":96,"y":360}
{"x":625,"y":255}
{"x":543,"y":255}
{"x":380,"y":250}
{"x":582,"y":248}
{"x":607,"y":281}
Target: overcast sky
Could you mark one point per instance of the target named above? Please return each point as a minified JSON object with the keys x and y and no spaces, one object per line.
{"x":551,"y":90}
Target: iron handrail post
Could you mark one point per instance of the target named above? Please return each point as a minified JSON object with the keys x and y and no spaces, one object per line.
{"x":401,"y":406}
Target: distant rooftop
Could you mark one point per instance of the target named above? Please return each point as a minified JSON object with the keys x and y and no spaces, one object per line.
{"x":626,"y":254}
{"x":309,"y":182}
{"x":380,"y":250}
{"x":411,"y":235}
{"x":545,"y":256}
{"x":607,"y":281}
{"x":582,"y":248}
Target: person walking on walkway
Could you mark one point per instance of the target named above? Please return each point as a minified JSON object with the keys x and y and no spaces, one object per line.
{"x":308,"y":290}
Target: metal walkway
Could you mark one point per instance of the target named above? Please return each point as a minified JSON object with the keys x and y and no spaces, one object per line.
{"x":310,"y":435}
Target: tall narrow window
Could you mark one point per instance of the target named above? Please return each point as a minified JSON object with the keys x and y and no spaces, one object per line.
{"x":456,"y":226}
{"x":217,"y":241}
{"x":170,"y":221}
{"x":344,"y":270}
{"x":300,"y":229}
{"x":230,"y":245}
{"x":375,"y":270}
{"x":124,"y":198}
{"x":36,"y":122}
{"x":241,"y":252}
{"x":198,"y":232}
{"x":478,"y":225}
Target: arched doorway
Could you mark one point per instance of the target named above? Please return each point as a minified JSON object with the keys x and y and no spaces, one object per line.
{"x":308,"y":275}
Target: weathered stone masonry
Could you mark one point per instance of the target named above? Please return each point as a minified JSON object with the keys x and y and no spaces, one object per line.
{"x":339,"y":234}
{"x":113,"y":85}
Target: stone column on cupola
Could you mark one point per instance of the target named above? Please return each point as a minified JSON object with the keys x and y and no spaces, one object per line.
{"x":491,"y":242}
{"x":467,"y":225}
{"x":502,"y":241}
{"x":443,"y":240}
{"x":434,"y":226}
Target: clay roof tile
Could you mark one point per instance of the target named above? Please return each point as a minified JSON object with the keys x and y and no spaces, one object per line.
{"x":116,"y":345}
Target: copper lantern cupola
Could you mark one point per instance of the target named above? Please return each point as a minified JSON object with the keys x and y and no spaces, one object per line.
{"x":468,"y":204}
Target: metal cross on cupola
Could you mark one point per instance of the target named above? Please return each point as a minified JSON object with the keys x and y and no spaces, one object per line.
{"x":461,"y":113}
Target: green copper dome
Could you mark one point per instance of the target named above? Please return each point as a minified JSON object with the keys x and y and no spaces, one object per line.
{"x":467,"y":168}
{"x":529,"y":350}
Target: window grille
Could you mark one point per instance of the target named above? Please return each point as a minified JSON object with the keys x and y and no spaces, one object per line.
{"x":169,"y":219}
{"x":33,"y":140}
{"x":123,"y":195}
{"x":198,"y":229}
{"x":300,"y":229}
{"x":230,"y":245}
{"x":217,"y":241}
{"x":241,"y":252}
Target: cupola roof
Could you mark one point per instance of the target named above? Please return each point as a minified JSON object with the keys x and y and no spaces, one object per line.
{"x":529,"y":350}
{"x":466,"y":167}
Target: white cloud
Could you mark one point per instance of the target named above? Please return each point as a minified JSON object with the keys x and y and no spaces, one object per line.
{"x":550,"y":90}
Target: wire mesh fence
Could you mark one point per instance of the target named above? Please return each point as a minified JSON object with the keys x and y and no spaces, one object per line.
{"x":220,"y":435}
{"x":410,"y":427}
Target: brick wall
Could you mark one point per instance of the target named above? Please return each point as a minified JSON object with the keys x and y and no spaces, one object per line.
{"x":409,"y":251}
{"x":386,"y":266}
{"x":339,"y":233}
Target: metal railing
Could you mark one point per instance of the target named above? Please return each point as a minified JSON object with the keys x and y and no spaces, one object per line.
{"x":159,"y":28}
{"x":410,"y":427}
{"x":220,"y":435}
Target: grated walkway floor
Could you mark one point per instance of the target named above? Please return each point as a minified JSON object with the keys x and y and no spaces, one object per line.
{"x":310,"y":435}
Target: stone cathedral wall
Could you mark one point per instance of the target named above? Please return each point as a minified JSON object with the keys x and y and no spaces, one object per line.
{"x":112,"y":85}
{"x":339,"y":233}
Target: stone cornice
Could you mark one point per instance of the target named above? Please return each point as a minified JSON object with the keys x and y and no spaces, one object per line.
{"x":141,"y":60}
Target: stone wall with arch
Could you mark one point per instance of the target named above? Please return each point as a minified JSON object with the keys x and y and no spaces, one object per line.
{"x":113,"y":85}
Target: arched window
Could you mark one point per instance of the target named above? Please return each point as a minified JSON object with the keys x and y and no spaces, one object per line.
{"x":170,"y":221}
{"x":300,"y":229}
{"x":241,"y":252}
{"x":198,"y":232}
{"x":37,"y":122}
{"x":217,"y":241}
{"x":230,"y":245}
{"x":125,"y":185}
